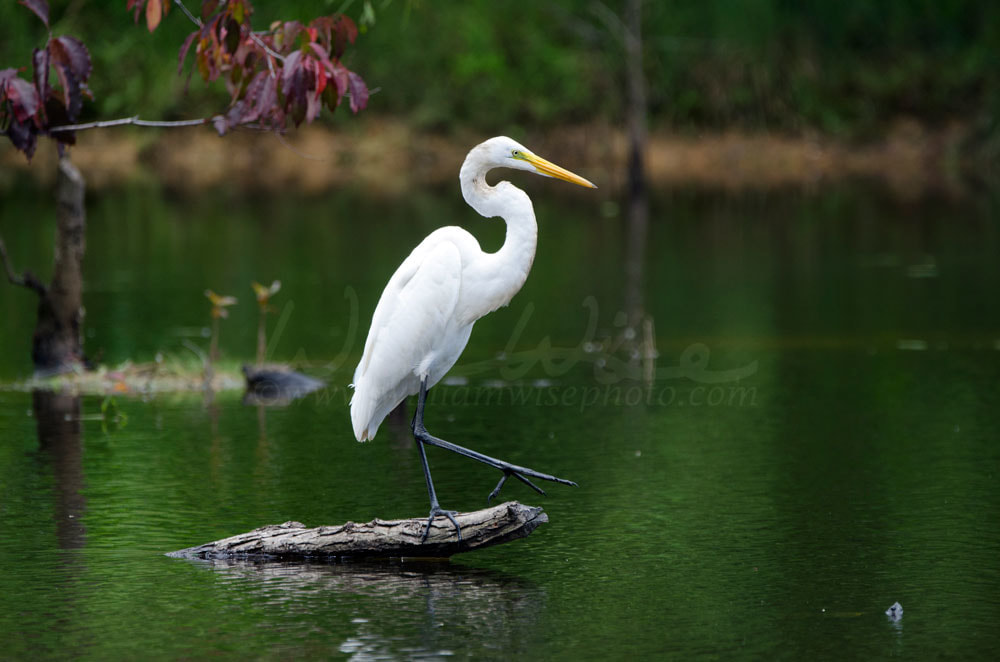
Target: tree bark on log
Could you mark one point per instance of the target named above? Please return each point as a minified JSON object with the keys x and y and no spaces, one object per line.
{"x":376,"y":539}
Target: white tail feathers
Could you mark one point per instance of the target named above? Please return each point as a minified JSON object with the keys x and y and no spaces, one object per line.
{"x":361,"y":417}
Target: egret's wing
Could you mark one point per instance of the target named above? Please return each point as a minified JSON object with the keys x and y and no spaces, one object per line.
{"x":411,"y":317}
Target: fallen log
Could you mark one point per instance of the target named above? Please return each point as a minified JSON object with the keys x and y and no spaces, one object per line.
{"x":376,"y":539}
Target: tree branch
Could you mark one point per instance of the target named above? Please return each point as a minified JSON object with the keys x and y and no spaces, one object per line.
{"x":27,"y":280}
{"x":267,"y":49}
{"x":192,"y":17}
{"x":130,"y":120}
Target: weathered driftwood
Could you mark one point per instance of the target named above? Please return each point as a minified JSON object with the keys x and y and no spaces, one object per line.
{"x":378,"y":538}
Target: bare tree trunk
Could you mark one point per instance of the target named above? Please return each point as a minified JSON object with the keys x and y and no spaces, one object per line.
{"x":57,"y":344}
{"x":636,"y":97}
{"x":639,"y":323}
{"x":638,"y":208}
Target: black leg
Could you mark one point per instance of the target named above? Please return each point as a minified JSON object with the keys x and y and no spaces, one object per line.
{"x":508,"y":469}
{"x":435,"y":506}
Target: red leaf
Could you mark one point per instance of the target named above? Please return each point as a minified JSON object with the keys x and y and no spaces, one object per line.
{"x":359,"y":92}
{"x":290,"y":30}
{"x":154,"y":12}
{"x":185,"y":47}
{"x":208,"y":8}
{"x":40,"y":62}
{"x":23,"y":98}
{"x":344,"y":31}
{"x":324,"y":24}
{"x":24,"y":137}
{"x":290,"y":66}
{"x":71,"y":91}
{"x":323,"y":56}
{"x":253,"y":95}
{"x":295,"y":85}
{"x":39,"y":7}
{"x":70,"y":52}
{"x":321,"y":77}
{"x":341,"y":79}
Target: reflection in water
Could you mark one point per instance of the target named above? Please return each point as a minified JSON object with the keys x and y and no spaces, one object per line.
{"x":58,"y":419}
{"x":399,"y":609}
{"x":638,"y":337}
{"x":277,"y":386}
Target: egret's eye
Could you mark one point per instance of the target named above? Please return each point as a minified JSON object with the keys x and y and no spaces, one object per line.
{"x":516,"y":153}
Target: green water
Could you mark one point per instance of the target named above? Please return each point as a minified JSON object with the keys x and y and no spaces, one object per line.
{"x":815,"y":440}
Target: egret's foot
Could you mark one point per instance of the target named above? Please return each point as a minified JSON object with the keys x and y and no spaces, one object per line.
{"x":518,"y":472}
{"x":496,"y":490}
{"x":507,"y":474}
{"x":450,"y":514}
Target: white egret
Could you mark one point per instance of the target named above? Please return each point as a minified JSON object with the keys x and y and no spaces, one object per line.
{"x":424,"y":317}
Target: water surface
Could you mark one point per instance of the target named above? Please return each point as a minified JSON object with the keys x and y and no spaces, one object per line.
{"x":814,"y":440}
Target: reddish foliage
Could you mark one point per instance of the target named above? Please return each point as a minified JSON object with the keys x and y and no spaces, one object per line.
{"x":289,"y":72}
{"x":28,"y":109}
{"x":276,"y":75}
{"x":272,"y":76}
{"x":40,"y":7}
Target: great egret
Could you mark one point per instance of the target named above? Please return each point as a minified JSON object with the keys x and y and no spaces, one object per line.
{"x":424,"y":317}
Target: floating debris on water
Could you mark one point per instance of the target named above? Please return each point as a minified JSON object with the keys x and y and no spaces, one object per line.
{"x":895,"y":612}
{"x":911,"y":345}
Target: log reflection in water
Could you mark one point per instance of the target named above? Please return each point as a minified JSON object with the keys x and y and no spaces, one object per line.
{"x":398,"y":608}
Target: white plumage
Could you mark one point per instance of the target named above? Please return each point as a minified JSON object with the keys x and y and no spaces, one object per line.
{"x":425,"y":315}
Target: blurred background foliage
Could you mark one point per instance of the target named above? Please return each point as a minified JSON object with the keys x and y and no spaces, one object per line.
{"x":846,"y":68}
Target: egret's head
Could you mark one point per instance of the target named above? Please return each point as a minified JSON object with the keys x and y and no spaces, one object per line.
{"x":503,"y":152}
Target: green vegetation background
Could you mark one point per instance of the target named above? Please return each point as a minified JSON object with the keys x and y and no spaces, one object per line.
{"x":843,"y":67}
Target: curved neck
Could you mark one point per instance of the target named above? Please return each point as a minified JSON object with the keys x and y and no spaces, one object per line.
{"x":509,"y":266}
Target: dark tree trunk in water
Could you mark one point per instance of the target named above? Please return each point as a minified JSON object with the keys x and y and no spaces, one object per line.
{"x":638,"y":209}
{"x":636,"y":111}
{"x":57,"y":344}
{"x":59,"y":440}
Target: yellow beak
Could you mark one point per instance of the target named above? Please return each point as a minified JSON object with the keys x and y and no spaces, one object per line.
{"x":550,"y":169}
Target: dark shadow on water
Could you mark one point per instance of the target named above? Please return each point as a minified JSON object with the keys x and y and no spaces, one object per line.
{"x":400,"y":606}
